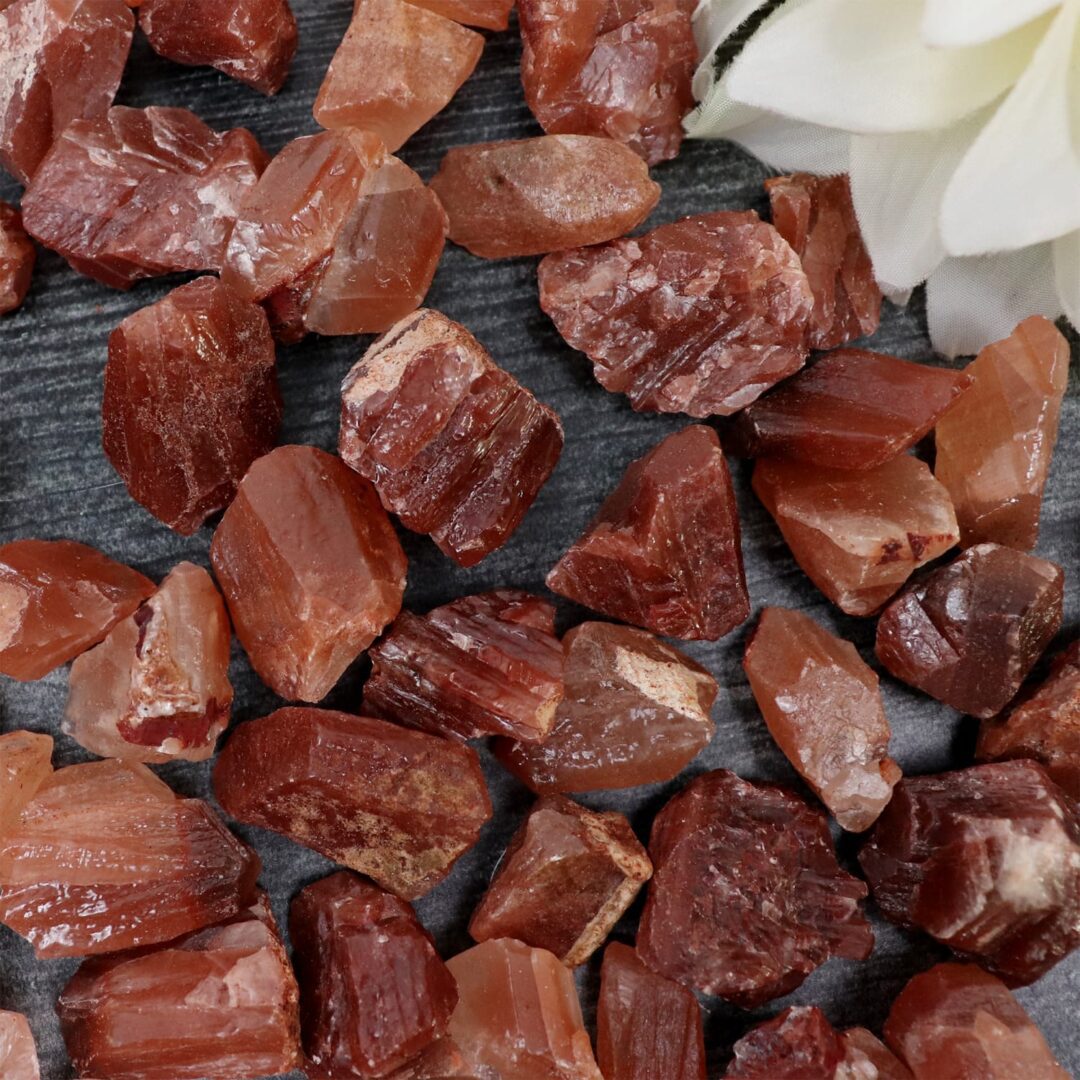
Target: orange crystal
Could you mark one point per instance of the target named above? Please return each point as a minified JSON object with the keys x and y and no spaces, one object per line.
{"x":25,"y":764}
{"x":489,"y":14}
{"x":18,"y":1054}
{"x":867,"y":1058}
{"x":17,"y":257}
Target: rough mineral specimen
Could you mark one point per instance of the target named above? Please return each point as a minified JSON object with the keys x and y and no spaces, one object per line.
{"x":647,"y":1027}
{"x":106,"y":857}
{"x":822,"y":705}
{"x":867,"y":1058}
{"x":456,"y":447}
{"x":663,"y":551}
{"x":969,"y":633}
{"x":480,"y":665}
{"x":17,"y":257}
{"x":60,"y":61}
{"x":815,"y":216}
{"x":858,"y":535}
{"x":375,"y":993}
{"x":191,"y":400}
{"x":635,"y":711}
{"x":799,"y":1044}
{"x":398,"y":65}
{"x":955,"y":1021}
{"x":518,"y":1014}
{"x":700,"y":316}
{"x":57,"y":598}
{"x":254,"y":44}
{"x":608,"y":68}
{"x":25,"y":764}
{"x":994,"y":447}
{"x":852,"y":409}
{"x":985,"y":859}
{"x":398,"y":805}
{"x":157,"y":688}
{"x":531,"y":196}
{"x":18,"y":1054}
{"x":747,"y":897}
{"x":307,"y":594}
{"x":489,"y":14}
{"x":220,"y":1002}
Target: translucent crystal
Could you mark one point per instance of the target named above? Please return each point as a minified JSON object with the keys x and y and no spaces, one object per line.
{"x":25,"y":764}
{"x":17,"y":257}
{"x":18,"y":1054}
{"x":799,"y":1044}
{"x":867,"y":1058}
{"x":489,"y":14}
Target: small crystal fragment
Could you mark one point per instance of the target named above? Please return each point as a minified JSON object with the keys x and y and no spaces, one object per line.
{"x":488,"y":14}
{"x":969,"y":633}
{"x":57,"y":598}
{"x":747,"y":897}
{"x":455,"y":446}
{"x":191,"y":400}
{"x":17,"y":257}
{"x":823,"y":707}
{"x":858,"y":536}
{"x":106,"y":857}
{"x":374,"y":992}
{"x":700,"y":316}
{"x":531,"y":196}
{"x":25,"y":764}
{"x":799,"y":1044}
{"x":635,"y":711}
{"x":18,"y":1054}
{"x":400,"y":806}
{"x":987,"y":861}
{"x":306,"y":599}
{"x":867,"y":1058}
{"x":663,"y":552}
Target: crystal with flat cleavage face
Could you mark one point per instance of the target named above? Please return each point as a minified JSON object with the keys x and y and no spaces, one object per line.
{"x":489,"y":14}
{"x":867,"y":1058}
{"x":17,"y":257}
{"x":18,"y":1054}
{"x":25,"y":764}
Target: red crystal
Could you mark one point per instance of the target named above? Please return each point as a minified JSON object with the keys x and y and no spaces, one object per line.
{"x":489,"y":14}
{"x":25,"y":764}
{"x":17,"y":257}
{"x":867,"y":1058}
{"x":700,"y":316}
{"x":18,"y":1054}
{"x":663,"y":552}
{"x":799,"y":1044}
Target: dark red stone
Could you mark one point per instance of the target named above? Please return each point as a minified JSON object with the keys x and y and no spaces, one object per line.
{"x":17,"y":257}
{"x":867,"y":1058}
{"x":799,"y":1044}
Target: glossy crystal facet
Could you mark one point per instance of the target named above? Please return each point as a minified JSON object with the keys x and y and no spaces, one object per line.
{"x":18,"y":1054}
{"x":25,"y":764}
{"x":17,"y":257}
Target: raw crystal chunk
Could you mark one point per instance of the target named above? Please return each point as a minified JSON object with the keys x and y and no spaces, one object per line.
{"x":375,"y":993}
{"x":858,"y":536}
{"x":747,"y":897}
{"x":57,"y":598}
{"x":531,"y":196}
{"x":60,"y":60}
{"x":822,"y":705}
{"x":518,"y":1014}
{"x":663,"y":551}
{"x":106,"y":857}
{"x":601,"y":67}
{"x":635,"y":711}
{"x":647,"y":1027}
{"x":141,"y":192}
{"x":852,"y":409}
{"x":815,"y":216}
{"x":18,"y":1054}
{"x":956,"y":1021}
{"x":25,"y":764}
{"x":307,"y":593}
{"x":398,"y":805}
{"x":157,"y":688}
{"x":799,"y":1044}
{"x":191,"y":400}
{"x":481,"y":665}
{"x":969,"y":633}
{"x":456,"y":447}
{"x":489,"y":14}
{"x":867,"y":1058}
{"x":220,"y":1002}
{"x":700,"y":316}
{"x":17,"y":257}
{"x":986,"y":860}
{"x":254,"y":44}
{"x":398,"y":65}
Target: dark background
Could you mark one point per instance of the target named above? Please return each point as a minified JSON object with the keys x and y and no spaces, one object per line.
{"x":55,"y":482}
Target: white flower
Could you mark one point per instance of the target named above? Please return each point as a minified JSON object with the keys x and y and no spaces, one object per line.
{"x":958,"y":121}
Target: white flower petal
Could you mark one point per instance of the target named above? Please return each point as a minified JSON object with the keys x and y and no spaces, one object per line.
{"x":952,"y":23}
{"x":861,"y":65}
{"x":1067,"y":275}
{"x":714,"y":22}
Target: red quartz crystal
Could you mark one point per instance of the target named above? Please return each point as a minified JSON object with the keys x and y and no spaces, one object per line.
{"x":858,"y":535}
{"x":191,"y":400}
{"x":663,"y":552}
{"x":375,"y":993}
{"x":220,"y":1002}
{"x":969,"y":633}
{"x":106,"y":857}
{"x":60,"y":61}
{"x":799,"y":1044}
{"x":747,"y":897}
{"x":57,"y":598}
{"x":635,"y":711}
{"x":17,"y":257}
{"x":480,"y":665}
{"x":18,"y":1054}
{"x":531,"y":196}
{"x":308,"y":591}
{"x":815,"y":216}
{"x":867,"y":1058}
{"x":456,"y":447}
{"x":700,"y":316}
{"x":398,"y":805}
{"x":823,"y":707}
{"x":852,"y":409}
{"x":25,"y":764}
{"x":489,"y":14}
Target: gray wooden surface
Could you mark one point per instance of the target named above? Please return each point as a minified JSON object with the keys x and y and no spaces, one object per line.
{"x":55,"y":482}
